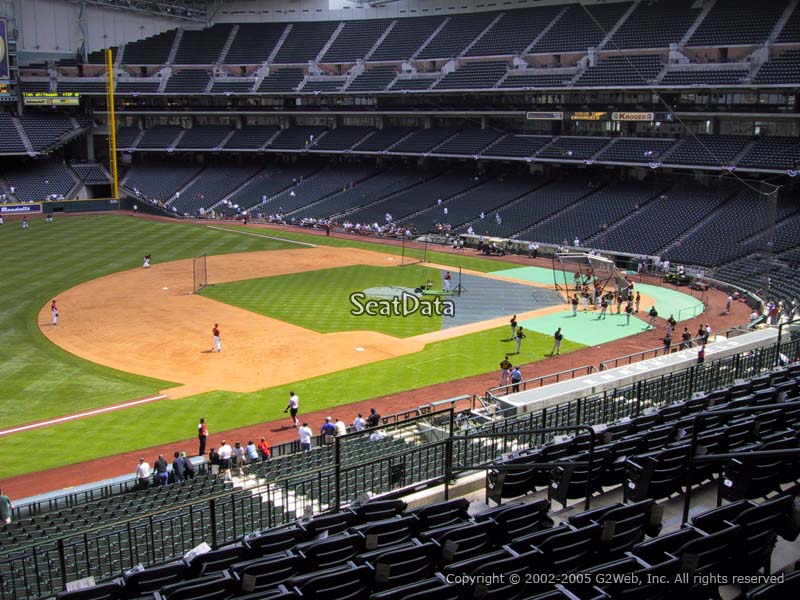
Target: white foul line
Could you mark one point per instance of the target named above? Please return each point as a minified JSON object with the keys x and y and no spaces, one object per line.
{"x":261,"y":235}
{"x":88,"y":413}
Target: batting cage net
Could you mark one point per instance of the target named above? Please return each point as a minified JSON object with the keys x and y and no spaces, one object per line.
{"x":200,"y":273}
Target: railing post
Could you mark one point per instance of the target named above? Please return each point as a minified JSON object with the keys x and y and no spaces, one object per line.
{"x":687,"y":498}
{"x":130,"y":541}
{"x":62,"y":562}
{"x":588,"y":501}
{"x":448,"y":456}
{"x":213,"y":518}
{"x":337,"y":458}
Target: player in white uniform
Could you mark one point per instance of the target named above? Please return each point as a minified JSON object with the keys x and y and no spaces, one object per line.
{"x":216,"y":342}
{"x":54,"y":312}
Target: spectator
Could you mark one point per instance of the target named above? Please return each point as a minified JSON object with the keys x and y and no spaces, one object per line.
{"x":213,"y":460}
{"x":5,"y":508}
{"x":341,"y":428}
{"x":377,"y":436}
{"x":188,"y":467}
{"x":160,"y":468}
{"x":359,"y":423}
{"x":701,"y":355}
{"x":202,"y":437}
{"x":328,"y":431}
{"x":263,"y":449}
{"x":653,"y":313}
{"x":305,"y":437}
{"x":143,"y":473}
{"x":237,"y":459}
{"x":178,"y":467}
{"x":252,"y":452}
{"x":225,"y":454}
{"x":374,"y":418}
{"x":686,"y":339}
{"x":667,"y":342}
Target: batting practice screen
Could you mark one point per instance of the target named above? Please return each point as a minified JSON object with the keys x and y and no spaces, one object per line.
{"x":200,"y":273}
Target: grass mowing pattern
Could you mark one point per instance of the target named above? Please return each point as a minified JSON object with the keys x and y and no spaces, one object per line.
{"x":158,"y":423}
{"x":38,"y":379}
{"x":319,"y":300}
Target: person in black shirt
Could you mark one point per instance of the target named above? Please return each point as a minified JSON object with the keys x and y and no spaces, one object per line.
{"x":374,"y":418}
{"x":686,"y":337}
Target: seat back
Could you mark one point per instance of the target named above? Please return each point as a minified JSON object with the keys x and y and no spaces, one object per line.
{"x":519,"y":519}
{"x":387,"y":532}
{"x":268,"y":571}
{"x":344,"y":584}
{"x":104,"y":591}
{"x":149,"y":580}
{"x":330,"y":552}
{"x":439,"y":514}
{"x":404,"y":566}
{"x":380,"y":509}
{"x":263,"y":544}
{"x":570,"y":551}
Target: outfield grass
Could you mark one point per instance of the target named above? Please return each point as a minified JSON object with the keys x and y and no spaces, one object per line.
{"x":320,"y":300}
{"x":167,"y":421}
{"x":465,"y":261}
{"x":38,"y":379}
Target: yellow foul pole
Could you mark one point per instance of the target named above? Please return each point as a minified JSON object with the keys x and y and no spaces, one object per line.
{"x":112,"y":124}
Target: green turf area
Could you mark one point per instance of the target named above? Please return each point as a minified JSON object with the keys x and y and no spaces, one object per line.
{"x":161,"y":422}
{"x":320,"y":300}
{"x":465,"y":261}
{"x":37,"y":379}
{"x":671,"y":302}
{"x":586,"y":328}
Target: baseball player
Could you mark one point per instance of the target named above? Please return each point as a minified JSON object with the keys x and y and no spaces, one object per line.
{"x":446,"y":281}
{"x":146,"y":263}
{"x":54,"y":312}
{"x":216,"y":342}
{"x":292,"y":407}
{"x":25,"y":224}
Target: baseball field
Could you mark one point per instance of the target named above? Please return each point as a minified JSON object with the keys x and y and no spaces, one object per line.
{"x":284,"y":308}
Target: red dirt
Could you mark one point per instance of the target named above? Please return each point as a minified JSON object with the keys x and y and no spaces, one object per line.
{"x":279,"y":431}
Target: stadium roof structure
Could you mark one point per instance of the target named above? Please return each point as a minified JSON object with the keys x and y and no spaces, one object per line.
{"x":190,"y":10}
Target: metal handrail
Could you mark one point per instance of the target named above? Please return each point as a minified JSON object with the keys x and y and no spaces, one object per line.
{"x":495,"y":391}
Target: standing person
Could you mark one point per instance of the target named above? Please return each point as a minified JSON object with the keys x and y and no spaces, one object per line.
{"x":5,"y":508}
{"x":519,"y":337}
{"x":585,"y":298}
{"x":728,"y":305}
{"x":505,"y":372}
{"x":202,"y":437}
{"x":557,"y":337}
{"x":160,"y":467}
{"x":603,"y":308}
{"x":701,"y":355}
{"x":667,"y":342}
{"x":178,"y":467}
{"x":146,"y":262}
{"x":359,"y":424}
{"x":516,"y":377}
{"x":25,"y":223}
{"x":513,"y":326}
{"x":263,"y":449}
{"x":216,"y":342}
{"x":619,"y":302}
{"x":54,"y":312}
{"x":328,"y":431}
{"x":188,"y":467}
{"x":653,"y":313}
{"x":671,"y":323}
{"x":251,"y":450}
{"x":143,"y":473}
{"x":701,"y":335}
{"x":374,"y":418}
{"x":225,"y":453}
{"x":292,"y":408}
{"x":686,"y":339}
{"x":574,"y":302}
{"x":341,"y":428}
{"x":628,"y":312}
{"x":305,"y":434}
{"x":636,"y":303}
{"x":446,"y":281}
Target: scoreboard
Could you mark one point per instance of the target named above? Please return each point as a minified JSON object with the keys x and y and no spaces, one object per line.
{"x":51,"y":98}
{"x":599,"y":116}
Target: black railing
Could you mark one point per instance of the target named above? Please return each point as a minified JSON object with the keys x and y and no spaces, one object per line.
{"x":423,"y":452}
